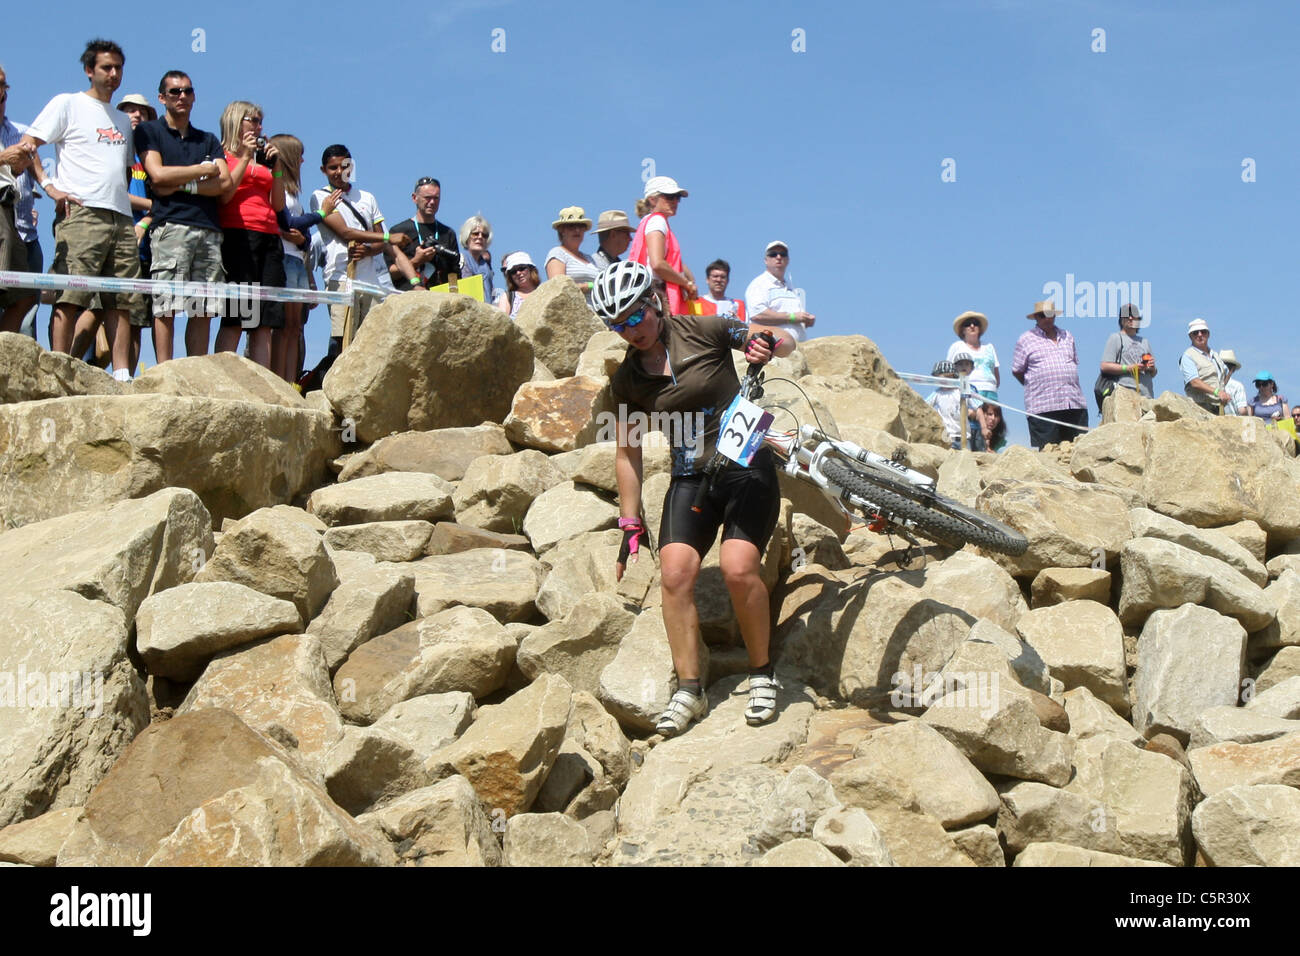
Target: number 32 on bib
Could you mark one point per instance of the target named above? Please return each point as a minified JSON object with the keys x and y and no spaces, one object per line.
{"x":741,"y":433}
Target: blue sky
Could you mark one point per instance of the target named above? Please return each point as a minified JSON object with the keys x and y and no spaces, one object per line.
{"x":1115,"y":166}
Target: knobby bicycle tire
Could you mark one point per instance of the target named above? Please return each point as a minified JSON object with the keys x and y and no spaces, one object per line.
{"x":938,"y":518}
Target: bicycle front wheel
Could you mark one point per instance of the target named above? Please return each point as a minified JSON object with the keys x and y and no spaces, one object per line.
{"x":940,"y":519}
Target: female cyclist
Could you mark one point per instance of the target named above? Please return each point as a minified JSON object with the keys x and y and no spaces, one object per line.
{"x":681,"y":364}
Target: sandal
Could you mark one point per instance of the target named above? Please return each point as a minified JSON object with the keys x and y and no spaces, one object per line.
{"x":682,"y":709}
{"x":762,"y":699}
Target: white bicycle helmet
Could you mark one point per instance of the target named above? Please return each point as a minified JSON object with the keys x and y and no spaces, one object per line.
{"x":618,"y":288}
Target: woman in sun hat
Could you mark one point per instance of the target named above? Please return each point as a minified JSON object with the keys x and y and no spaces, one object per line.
{"x":567,"y":258}
{"x":521,"y":280}
{"x":654,"y":244}
{"x":986,"y":376}
{"x":1267,"y":403}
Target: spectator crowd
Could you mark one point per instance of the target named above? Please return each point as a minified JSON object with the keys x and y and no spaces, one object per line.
{"x":140,"y":191}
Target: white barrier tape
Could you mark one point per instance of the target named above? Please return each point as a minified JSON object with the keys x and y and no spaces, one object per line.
{"x":972,"y":393}
{"x":187,"y":290}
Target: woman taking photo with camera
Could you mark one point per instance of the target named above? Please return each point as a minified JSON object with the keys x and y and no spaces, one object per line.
{"x":682,"y":365}
{"x":251,"y":248}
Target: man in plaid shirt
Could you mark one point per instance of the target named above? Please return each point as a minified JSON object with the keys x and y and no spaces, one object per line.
{"x":1046,"y":363}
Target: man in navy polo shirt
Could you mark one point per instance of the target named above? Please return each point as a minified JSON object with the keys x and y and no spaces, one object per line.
{"x":187,"y":172}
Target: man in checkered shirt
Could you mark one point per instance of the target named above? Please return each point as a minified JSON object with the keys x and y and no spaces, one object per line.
{"x":1046,"y":363}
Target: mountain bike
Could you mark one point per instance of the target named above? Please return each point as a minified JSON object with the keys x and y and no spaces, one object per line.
{"x":886,"y":494}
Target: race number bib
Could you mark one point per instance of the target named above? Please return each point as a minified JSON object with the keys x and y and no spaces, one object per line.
{"x":741,"y":433}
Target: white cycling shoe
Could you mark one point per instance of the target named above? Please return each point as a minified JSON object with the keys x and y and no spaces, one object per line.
{"x":762,"y":699}
{"x":681,"y":710}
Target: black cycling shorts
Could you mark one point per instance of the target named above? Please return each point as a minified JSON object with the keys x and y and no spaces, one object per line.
{"x":745,"y":502}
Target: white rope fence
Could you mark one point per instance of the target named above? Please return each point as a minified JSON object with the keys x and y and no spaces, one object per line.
{"x":192,"y":291}
{"x":970,"y":393}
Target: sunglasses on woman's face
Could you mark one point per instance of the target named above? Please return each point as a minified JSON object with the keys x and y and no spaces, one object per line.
{"x":631,"y":322}
{"x":519,"y":270}
{"x":970,"y":322}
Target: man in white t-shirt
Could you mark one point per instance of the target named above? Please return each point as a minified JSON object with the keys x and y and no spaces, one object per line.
{"x":772,"y":299}
{"x":350,"y":228}
{"x":93,"y":148}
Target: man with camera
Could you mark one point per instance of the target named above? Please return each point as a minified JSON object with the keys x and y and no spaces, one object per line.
{"x":431,"y":245}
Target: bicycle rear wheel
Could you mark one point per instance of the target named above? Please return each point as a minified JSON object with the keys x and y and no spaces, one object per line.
{"x":940,"y":519}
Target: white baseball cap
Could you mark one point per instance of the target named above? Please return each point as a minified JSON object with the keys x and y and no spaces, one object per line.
{"x":517,"y":259}
{"x":775,"y":243}
{"x":664,"y":186}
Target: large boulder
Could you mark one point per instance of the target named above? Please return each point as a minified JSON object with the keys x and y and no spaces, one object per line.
{"x":703,"y":796}
{"x":1284,"y":593}
{"x":637,"y":684}
{"x":277,"y":555}
{"x":395,"y":541}
{"x":503,"y":583}
{"x":223,"y":375}
{"x":578,"y":566}
{"x":1225,"y":765}
{"x":391,"y":496}
{"x":461,"y":649}
{"x":119,"y":554}
{"x":445,"y":452}
{"x":441,"y":825}
{"x":203,"y":789}
{"x":178,"y":631}
{"x":858,"y":358}
{"x":857,"y":639}
{"x":1158,"y":574}
{"x":566,"y":510}
{"x":280,"y":688}
{"x":1068,"y":524}
{"x":912,"y":766}
{"x":29,"y":373}
{"x":1250,"y":826}
{"x":1003,"y":736}
{"x":365,"y":605}
{"x":580,"y":645}
{"x":1204,"y":472}
{"x":852,"y":405}
{"x":498,"y":490}
{"x":560,"y":415}
{"x":1083,"y":645}
{"x":558,"y":323}
{"x":63,"y":454}
{"x":508,"y":751}
{"x":1189,"y":660}
{"x":426,"y":360}
{"x":70,"y":700}
{"x":1208,"y":541}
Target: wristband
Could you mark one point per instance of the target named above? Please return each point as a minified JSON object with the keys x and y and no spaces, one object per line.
{"x":792,"y":316}
{"x":47,"y":186}
{"x":278,"y":174}
{"x":190,"y":187}
{"x":385,"y":235}
{"x":415,"y":280}
{"x":321,"y":213}
{"x":144,"y":224}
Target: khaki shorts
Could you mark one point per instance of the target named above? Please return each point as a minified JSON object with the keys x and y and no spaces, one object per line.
{"x":96,"y":242}
{"x":13,"y":256}
{"x":183,"y":253}
{"x":339,"y":312}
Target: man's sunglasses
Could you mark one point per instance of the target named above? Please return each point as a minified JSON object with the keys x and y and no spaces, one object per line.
{"x":177,"y":91}
{"x":631,"y":322}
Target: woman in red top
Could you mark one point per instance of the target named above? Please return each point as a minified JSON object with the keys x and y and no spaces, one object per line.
{"x":251,"y":250}
{"x":655,"y":246}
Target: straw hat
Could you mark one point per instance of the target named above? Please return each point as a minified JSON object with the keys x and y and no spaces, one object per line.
{"x":958,"y":322}
{"x":572,"y":216}
{"x":612,"y":219}
{"x":135,"y":99}
{"x":1229,"y":358}
{"x":1046,"y":307}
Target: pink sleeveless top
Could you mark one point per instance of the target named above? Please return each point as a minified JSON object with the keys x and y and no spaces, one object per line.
{"x":638,"y":252}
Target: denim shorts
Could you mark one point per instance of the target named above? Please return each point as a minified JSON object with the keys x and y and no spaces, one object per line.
{"x":295,"y":273}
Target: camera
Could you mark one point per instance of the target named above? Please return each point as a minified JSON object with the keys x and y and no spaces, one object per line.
{"x":260,"y":153}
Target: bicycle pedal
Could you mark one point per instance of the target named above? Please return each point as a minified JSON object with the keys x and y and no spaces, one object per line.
{"x":878,"y":525}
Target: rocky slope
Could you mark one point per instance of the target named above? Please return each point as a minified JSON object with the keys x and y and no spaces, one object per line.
{"x":379,"y":626}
